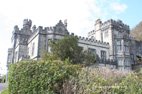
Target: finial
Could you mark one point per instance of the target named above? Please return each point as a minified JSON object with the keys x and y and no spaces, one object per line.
{"x":16,"y":28}
{"x":65,"y":22}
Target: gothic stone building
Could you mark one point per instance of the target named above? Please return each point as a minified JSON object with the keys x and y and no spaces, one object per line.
{"x":110,"y":40}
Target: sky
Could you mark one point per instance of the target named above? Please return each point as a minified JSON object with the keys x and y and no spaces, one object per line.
{"x":80,"y":15}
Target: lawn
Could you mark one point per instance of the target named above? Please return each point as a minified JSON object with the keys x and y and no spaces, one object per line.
{"x":5,"y":91}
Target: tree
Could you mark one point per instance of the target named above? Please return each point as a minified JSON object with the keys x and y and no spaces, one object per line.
{"x":136,"y":31}
{"x":89,"y":57}
{"x":67,"y":48}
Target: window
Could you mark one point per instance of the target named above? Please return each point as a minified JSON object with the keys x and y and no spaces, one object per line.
{"x":103,"y":55}
{"x":120,"y":62}
{"x":118,"y":46}
{"x":92,"y":50}
{"x":126,"y":48}
{"x":118,"y":42}
{"x":127,"y":62}
{"x":33,"y":47}
{"x":106,"y":34}
{"x":132,"y":57}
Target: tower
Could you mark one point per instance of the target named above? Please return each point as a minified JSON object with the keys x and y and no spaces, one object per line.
{"x":116,"y":33}
{"x":20,"y":41}
{"x":97,"y":33}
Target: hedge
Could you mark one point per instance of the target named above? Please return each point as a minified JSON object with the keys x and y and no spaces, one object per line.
{"x":40,"y":77}
{"x":52,"y":76}
{"x":107,"y":81}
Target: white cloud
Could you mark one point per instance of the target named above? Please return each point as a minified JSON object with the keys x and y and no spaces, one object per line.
{"x":79,"y":13}
{"x":118,"y":7}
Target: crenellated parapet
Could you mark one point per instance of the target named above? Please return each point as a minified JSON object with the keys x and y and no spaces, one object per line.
{"x":117,"y":25}
{"x":25,"y":30}
{"x":39,"y":29}
{"x":109,"y":25}
{"x":27,"y":23}
{"x":60,"y":29}
{"x":91,"y":33}
{"x":42,"y":30}
{"x":50,"y":29}
{"x":90,"y":40}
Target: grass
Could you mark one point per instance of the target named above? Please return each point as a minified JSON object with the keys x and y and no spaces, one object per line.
{"x":5,"y":91}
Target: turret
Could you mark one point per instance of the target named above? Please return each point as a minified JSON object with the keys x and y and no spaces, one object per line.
{"x":14,"y":41}
{"x":98,"y":24}
{"x":97,"y":31}
{"x":34,"y":28}
{"x":27,"y":23}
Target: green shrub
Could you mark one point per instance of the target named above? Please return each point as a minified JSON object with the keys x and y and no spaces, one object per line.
{"x":53,"y":76}
{"x":105,"y":81}
{"x":132,"y":83}
{"x":40,"y":77}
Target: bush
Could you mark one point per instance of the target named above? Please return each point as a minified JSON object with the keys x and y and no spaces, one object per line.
{"x":106,"y":81}
{"x":40,"y":77}
{"x":53,"y":76}
{"x":132,"y":83}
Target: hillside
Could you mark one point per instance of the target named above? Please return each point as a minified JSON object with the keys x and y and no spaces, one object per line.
{"x":137,"y":31}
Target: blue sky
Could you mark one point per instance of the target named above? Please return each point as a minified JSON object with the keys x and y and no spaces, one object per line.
{"x":132,"y":15}
{"x":80,"y":15}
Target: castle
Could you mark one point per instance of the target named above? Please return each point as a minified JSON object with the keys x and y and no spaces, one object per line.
{"x":110,"y":40}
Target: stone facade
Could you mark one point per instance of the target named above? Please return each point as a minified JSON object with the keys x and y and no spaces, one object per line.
{"x":110,"y":40}
{"x":117,"y":34}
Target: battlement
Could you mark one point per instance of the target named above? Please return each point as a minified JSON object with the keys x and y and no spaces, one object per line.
{"x":60,"y":27}
{"x":40,"y":28}
{"x":98,"y":21}
{"x":91,"y":32}
{"x":110,"y":24}
{"x":116,"y":23}
{"x":50,"y":28}
{"x":27,"y":23}
{"x":90,"y":40}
